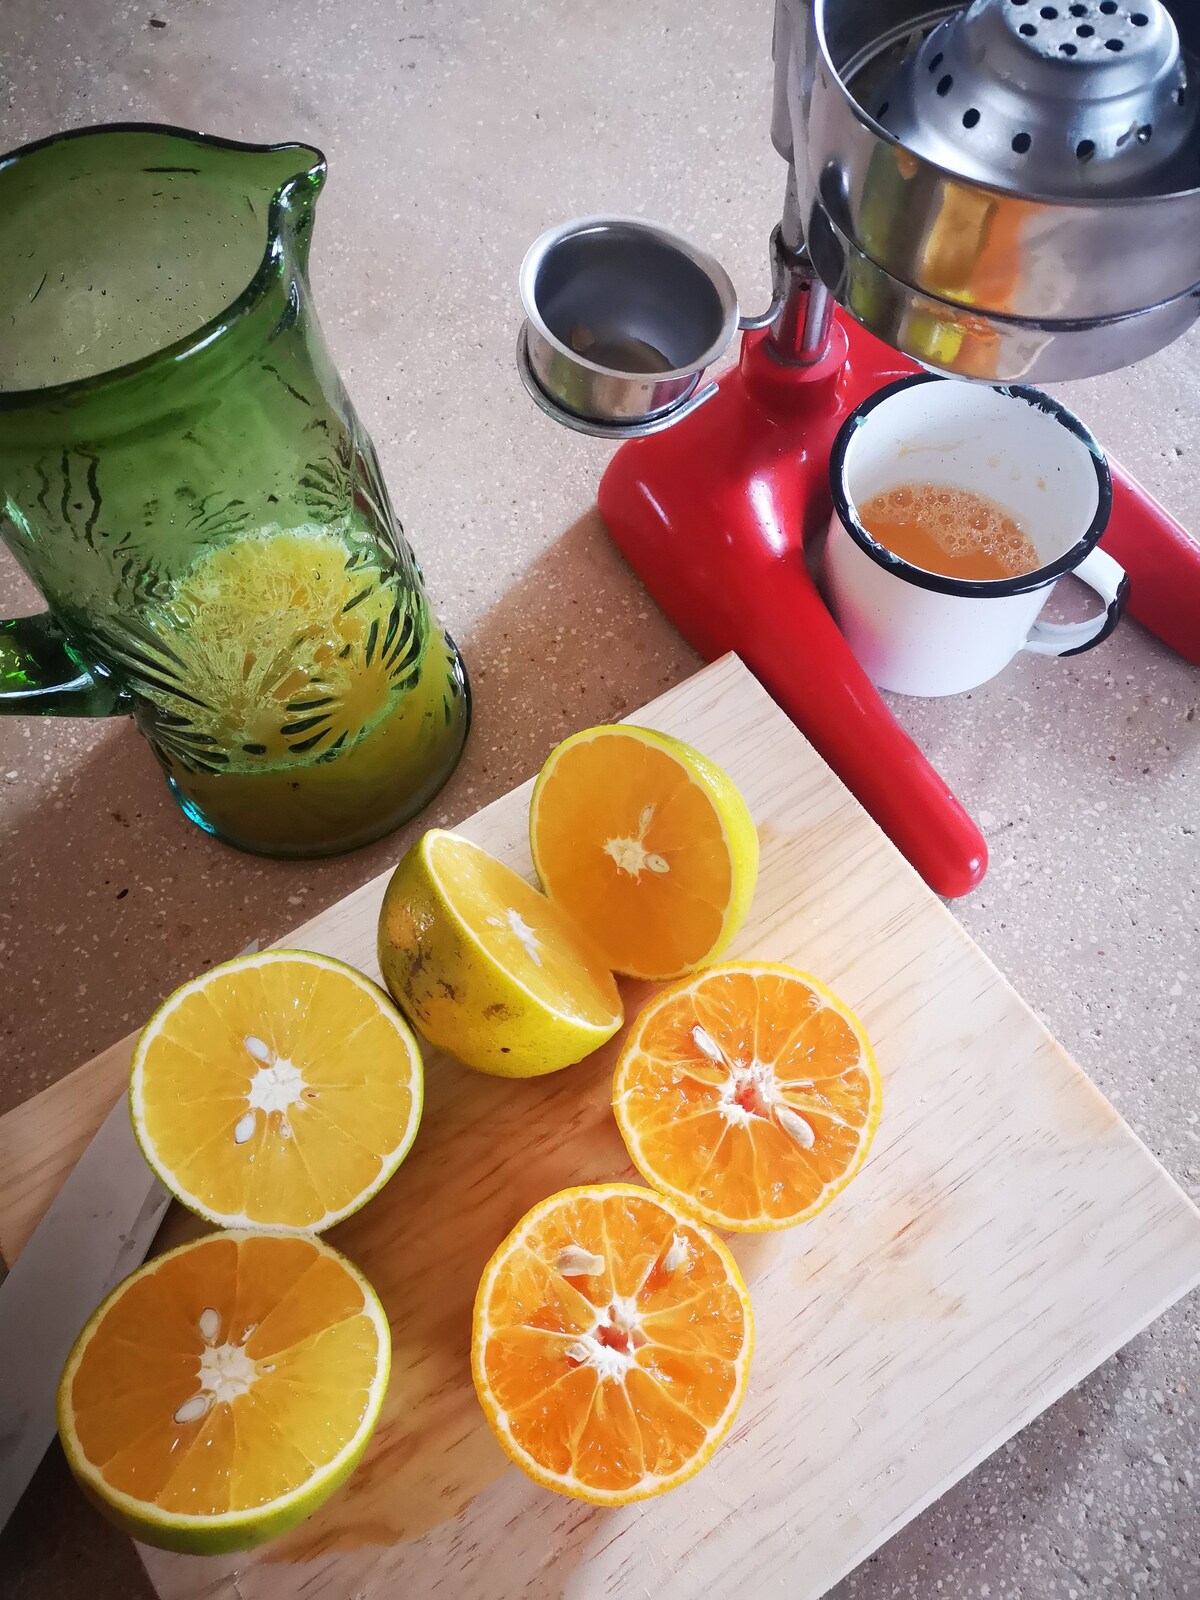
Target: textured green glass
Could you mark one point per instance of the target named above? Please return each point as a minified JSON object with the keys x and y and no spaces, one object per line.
{"x":183,"y":476}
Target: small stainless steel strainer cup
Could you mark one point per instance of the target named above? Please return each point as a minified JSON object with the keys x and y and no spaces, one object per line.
{"x":622,"y":316}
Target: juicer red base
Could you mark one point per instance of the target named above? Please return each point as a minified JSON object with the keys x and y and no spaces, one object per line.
{"x":716,"y":515}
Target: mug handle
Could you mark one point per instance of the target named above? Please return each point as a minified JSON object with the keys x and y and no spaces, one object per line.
{"x":1110,"y":581}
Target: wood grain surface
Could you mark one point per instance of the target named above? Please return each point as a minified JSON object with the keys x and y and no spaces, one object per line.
{"x":1007,"y":1233}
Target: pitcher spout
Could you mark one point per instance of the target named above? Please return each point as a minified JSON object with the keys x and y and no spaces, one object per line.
{"x":292,"y":209}
{"x":131,"y":242}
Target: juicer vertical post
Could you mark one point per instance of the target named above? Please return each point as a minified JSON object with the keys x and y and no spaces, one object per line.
{"x":800,"y":332}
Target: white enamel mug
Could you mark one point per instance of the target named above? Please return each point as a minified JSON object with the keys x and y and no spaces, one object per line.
{"x":922,"y":633}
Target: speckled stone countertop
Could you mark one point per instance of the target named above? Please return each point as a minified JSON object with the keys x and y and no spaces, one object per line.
{"x":454,"y":135}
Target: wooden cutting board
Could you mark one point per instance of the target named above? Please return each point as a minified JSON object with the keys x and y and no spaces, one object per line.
{"x":1007,"y":1233}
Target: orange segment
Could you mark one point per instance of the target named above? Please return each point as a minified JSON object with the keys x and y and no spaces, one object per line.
{"x":279,"y":1090}
{"x":749,"y":1094}
{"x":224,"y":1390}
{"x":611,"y":1343}
{"x":647,"y":844}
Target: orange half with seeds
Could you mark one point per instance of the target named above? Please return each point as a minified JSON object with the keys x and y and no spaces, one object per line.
{"x":611,"y":1344}
{"x":280,"y":1090}
{"x":224,"y":1391}
{"x":648,"y":844}
{"x":749,"y":1094}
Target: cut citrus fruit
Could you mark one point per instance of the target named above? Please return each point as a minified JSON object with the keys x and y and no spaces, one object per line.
{"x":279,"y":1090}
{"x":223,"y":1391}
{"x":488,"y":968}
{"x":748,"y":1093}
{"x":647,"y":844}
{"x":611,"y":1343}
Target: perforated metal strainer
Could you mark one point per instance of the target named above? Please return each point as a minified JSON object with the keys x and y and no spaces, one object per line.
{"x":1063,"y":99}
{"x":1007,"y":189}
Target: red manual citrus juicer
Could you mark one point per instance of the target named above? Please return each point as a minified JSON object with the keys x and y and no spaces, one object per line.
{"x":999,"y":191}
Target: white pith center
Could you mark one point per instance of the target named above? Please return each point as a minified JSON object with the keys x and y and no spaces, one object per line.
{"x":521,"y":931}
{"x":750,"y":1090}
{"x":276,"y":1086}
{"x":225,"y":1370}
{"x":587,"y":1351}
{"x":630,"y":853}
{"x":610,"y":1345}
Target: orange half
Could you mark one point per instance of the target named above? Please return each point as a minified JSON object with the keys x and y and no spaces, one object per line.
{"x":749,"y":1094}
{"x":280,"y":1090}
{"x":223,"y":1391}
{"x":611,"y":1343}
{"x":648,"y":844}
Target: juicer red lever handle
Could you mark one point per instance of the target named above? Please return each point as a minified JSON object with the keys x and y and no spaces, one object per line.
{"x":811,"y":671}
{"x":1163,"y":563}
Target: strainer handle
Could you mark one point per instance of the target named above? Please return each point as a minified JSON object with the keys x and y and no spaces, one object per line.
{"x":1107,"y":577}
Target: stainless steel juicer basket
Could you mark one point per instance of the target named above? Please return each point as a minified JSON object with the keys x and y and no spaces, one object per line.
{"x":1006,"y":190}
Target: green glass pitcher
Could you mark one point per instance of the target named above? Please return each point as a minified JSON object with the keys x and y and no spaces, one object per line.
{"x":184,"y":478}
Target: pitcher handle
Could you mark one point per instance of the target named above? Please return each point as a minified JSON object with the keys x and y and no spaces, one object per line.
{"x":41,"y":675}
